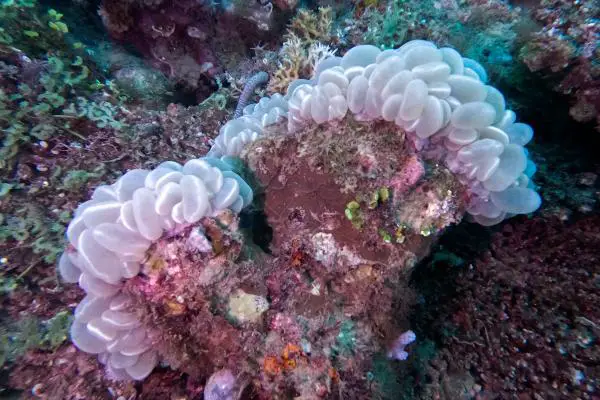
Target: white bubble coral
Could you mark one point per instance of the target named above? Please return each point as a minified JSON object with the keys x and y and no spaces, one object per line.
{"x":437,"y":97}
{"x":109,"y":237}
{"x":440,"y":99}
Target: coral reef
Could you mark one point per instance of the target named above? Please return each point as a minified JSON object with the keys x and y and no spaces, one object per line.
{"x":109,"y":236}
{"x":191,"y":42}
{"x":196,"y":294}
{"x":556,"y":40}
{"x":48,"y":102}
{"x":522,"y":320}
{"x":281,"y":262}
{"x":567,"y":49}
{"x":169,"y":274}
{"x":29,"y":285}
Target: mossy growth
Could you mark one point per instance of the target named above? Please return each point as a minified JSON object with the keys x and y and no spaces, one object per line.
{"x":32,"y":334}
{"x":52,"y":81}
{"x":33,"y":28}
{"x":75,"y":180}
{"x":30,"y":227}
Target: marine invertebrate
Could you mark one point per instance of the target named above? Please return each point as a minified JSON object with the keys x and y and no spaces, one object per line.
{"x":442,"y":102}
{"x":398,"y":351}
{"x":109,"y":236}
{"x":312,"y":27}
{"x":256,"y":80}
{"x":408,"y":105}
{"x":298,"y":60}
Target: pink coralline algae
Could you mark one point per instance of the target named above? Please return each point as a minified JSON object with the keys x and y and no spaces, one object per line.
{"x":410,"y":174}
{"x":525,"y":314}
{"x":568,"y":49}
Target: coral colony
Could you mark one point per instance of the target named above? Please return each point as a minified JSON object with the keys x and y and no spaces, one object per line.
{"x":450,"y":136}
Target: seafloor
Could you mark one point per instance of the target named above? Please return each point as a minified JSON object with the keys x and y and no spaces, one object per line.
{"x":92,"y":88}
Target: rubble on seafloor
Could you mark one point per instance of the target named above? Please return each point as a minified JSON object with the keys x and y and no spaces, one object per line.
{"x":520,"y":319}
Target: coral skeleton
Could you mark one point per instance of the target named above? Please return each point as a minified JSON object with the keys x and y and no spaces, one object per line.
{"x":434,"y":96}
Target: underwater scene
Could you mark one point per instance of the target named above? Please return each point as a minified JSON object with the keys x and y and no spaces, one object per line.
{"x":299,"y":199}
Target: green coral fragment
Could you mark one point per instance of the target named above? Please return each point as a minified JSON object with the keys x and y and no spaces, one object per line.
{"x":384,"y":194}
{"x":387,"y":238}
{"x":354,"y":214}
{"x":55,"y":14}
{"x":427,"y":231}
{"x":31,"y":34}
{"x":379,"y":196}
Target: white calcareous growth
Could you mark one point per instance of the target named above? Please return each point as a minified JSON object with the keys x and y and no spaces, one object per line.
{"x":110,"y":235}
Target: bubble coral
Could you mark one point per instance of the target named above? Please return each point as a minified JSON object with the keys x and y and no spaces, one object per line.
{"x":435,"y":98}
{"x":109,"y":237}
{"x":442,"y":102}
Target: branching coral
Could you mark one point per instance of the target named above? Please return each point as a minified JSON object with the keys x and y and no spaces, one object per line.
{"x":297,"y":60}
{"x":303,"y":48}
{"x":312,"y":27}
